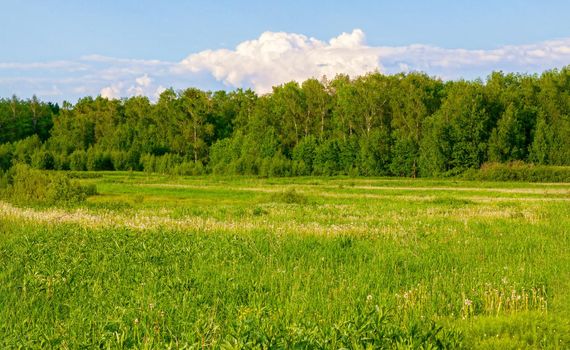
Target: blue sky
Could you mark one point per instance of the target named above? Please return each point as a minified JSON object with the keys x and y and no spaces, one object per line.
{"x":66,"y":49}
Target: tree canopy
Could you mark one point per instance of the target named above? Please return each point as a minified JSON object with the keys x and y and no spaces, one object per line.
{"x":403,"y":125}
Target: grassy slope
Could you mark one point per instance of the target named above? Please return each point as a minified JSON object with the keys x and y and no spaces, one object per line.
{"x":241,"y":261}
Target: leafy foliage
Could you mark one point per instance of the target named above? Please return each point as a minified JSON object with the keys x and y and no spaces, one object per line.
{"x":403,"y":125}
{"x":518,"y":171}
{"x":24,"y":185}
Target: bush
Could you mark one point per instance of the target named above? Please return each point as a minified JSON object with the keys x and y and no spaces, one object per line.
{"x":166,"y":163}
{"x":43,"y":160}
{"x":97,"y":160}
{"x":119,"y":160}
{"x":31,"y":186}
{"x":6,"y":153}
{"x":519,"y":171}
{"x":148,"y":162}
{"x":3,"y":180}
{"x":290,"y":196}
{"x":133,"y":158}
{"x":188,"y":168}
{"x":24,"y":149}
{"x":78,"y":160}
{"x":60,"y":161}
{"x":279,"y":166}
{"x":327,"y":159}
{"x":305,"y":151}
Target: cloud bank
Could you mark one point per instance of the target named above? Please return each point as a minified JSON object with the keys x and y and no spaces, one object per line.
{"x":272,"y":59}
{"x":275,"y":58}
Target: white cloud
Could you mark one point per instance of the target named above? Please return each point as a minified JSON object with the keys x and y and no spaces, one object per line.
{"x":275,"y":58}
{"x":159,"y":90}
{"x":111,"y":92}
{"x":272,"y":59}
{"x":122,"y":61}
{"x":69,"y":66}
{"x":144,"y":80}
{"x":141,"y":86}
{"x":135,"y":91}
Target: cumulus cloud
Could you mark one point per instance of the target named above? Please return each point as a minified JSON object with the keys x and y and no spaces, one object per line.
{"x":144,"y":80}
{"x":111,"y":92}
{"x":275,"y":58}
{"x":271,"y":59}
{"x":141,"y":86}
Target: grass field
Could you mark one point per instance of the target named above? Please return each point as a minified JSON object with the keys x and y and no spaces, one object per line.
{"x":163,"y":262}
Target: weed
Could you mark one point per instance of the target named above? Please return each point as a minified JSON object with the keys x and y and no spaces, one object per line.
{"x":290,"y":196}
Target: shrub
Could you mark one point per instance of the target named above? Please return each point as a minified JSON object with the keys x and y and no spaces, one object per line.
{"x":299,"y":168}
{"x":24,"y":149}
{"x":148,"y":162}
{"x":290,"y":196}
{"x":43,"y":160}
{"x":78,"y":160}
{"x":31,"y":186}
{"x":6,"y":153}
{"x":327,"y":159}
{"x":305,"y":152}
{"x":519,"y":171}
{"x":119,"y":160}
{"x":188,"y":168}
{"x":60,"y":161}
{"x":133,"y":158}
{"x":97,"y":160}
{"x":3,"y":180}
{"x":166,"y":163}
{"x":279,"y":166}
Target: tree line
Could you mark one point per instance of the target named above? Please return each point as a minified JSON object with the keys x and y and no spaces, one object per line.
{"x":375,"y":124}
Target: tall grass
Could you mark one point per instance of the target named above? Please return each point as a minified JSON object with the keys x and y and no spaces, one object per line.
{"x":433,"y":270}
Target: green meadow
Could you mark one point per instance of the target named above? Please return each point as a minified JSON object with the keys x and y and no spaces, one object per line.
{"x":166,"y":262}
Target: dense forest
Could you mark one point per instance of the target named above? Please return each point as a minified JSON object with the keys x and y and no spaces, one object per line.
{"x":403,"y":125}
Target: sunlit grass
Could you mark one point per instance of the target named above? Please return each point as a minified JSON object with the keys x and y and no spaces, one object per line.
{"x":155,"y":261}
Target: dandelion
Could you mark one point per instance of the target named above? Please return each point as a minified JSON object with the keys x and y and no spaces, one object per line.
{"x":369,"y":298}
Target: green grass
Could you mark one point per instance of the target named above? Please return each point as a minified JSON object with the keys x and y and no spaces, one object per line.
{"x":206,"y":262}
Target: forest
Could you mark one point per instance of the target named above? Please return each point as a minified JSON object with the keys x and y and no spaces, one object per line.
{"x":407,"y":125}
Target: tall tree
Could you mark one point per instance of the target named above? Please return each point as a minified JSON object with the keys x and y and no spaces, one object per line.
{"x":195,"y":105}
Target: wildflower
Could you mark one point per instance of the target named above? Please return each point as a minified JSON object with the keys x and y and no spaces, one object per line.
{"x":369,"y":298}
{"x":467,"y":302}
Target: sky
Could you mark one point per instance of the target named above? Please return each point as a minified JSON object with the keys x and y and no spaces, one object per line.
{"x":63,"y":50}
